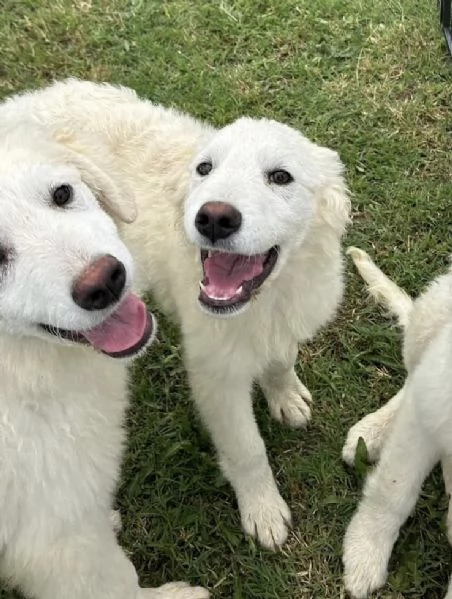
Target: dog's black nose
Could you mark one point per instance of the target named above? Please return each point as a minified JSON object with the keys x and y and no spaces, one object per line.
{"x":100,"y":284}
{"x":218,"y":220}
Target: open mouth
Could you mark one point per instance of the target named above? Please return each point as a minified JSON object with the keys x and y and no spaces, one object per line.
{"x":230,"y":280}
{"x":122,"y":334}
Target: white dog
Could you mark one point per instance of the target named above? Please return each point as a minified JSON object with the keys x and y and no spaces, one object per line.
{"x":257,"y":270}
{"x":66,"y":317}
{"x":412,"y":431}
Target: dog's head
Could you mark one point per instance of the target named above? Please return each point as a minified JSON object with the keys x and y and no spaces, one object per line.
{"x":64,"y":273}
{"x":256,"y":188}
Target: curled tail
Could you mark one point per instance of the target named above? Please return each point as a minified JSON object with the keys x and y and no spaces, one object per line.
{"x":385,"y":291}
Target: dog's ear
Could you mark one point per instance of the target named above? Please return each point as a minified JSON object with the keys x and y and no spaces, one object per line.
{"x":333,"y":195}
{"x":115,"y":196}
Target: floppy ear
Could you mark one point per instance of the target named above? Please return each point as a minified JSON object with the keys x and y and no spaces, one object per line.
{"x":333,"y":195}
{"x":115,"y":196}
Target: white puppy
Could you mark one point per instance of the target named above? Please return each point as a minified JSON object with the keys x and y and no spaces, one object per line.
{"x":257,"y":269}
{"x":413,"y":431}
{"x":66,"y":316}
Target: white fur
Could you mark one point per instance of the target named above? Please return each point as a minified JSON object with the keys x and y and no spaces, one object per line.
{"x":61,"y":405}
{"x":375,"y":427}
{"x":412,"y":431}
{"x":153,"y":151}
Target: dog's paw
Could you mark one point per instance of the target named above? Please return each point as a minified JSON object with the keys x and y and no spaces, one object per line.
{"x":365,"y":557}
{"x":373,"y":429}
{"x":174,"y":590}
{"x":266,"y":517}
{"x":290,"y":405}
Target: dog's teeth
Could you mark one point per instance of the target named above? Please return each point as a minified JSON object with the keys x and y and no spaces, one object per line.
{"x":209,"y":253}
{"x":201,"y":286}
{"x":239,"y":290}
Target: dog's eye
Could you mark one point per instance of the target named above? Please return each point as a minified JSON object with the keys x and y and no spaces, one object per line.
{"x":204,"y":168}
{"x":62,"y":195}
{"x":280,"y":177}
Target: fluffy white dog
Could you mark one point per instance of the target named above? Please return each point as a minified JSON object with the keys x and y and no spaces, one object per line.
{"x":66,"y":317}
{"x":412,"y":431}
{"x":238,"y":235}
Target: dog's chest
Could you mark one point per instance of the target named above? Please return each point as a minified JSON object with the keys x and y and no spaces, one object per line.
{"x":60,"y":446}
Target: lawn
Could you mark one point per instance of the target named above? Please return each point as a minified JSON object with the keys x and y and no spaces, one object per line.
{"x":373,"y":81}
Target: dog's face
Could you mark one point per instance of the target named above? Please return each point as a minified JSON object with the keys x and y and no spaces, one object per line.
{"x":64,"y":273}
{"x":253,"y":196}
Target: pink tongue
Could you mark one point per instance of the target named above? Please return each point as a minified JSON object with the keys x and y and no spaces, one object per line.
{"x":123,"y":330}
{"x":226,"y":272}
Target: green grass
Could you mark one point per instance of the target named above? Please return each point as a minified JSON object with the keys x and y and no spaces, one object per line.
{"x":370,"y":79}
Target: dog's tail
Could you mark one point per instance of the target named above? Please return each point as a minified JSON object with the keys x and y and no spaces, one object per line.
{"x":385,"y":291}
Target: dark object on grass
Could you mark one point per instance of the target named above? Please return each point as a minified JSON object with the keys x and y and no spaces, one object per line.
{"x":445,"y":10}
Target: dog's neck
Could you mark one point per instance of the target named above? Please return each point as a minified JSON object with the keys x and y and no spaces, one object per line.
{"x":20,"y":354}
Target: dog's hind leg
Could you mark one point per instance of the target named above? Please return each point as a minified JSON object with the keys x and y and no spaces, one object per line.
{"x":288,"y":399}
{"x":373,"y":429}
{"x":389,"y":496}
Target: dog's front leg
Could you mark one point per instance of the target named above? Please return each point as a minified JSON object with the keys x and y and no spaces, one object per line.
{"x":81,"y":561}
{"x":224,"y":401}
